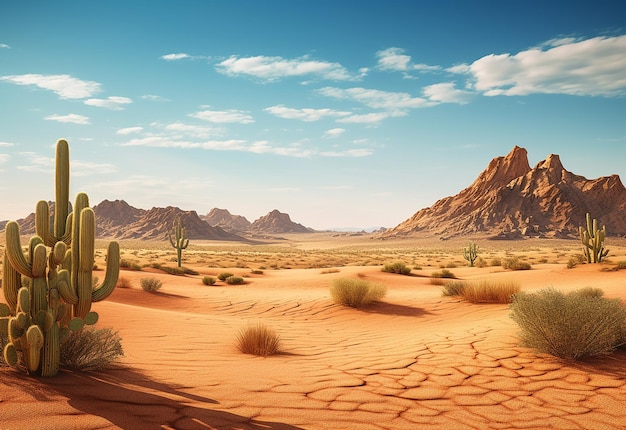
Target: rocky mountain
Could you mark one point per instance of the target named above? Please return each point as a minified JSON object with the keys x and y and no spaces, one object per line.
{"x":509,"y":199}
{"x":276,"y":222}
{"x":225,"y":220}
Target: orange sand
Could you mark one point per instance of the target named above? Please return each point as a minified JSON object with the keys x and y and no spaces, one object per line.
{"x":416,"y":361}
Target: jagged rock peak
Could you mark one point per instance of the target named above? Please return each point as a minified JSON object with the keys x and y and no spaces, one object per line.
{"x":277,"y":222}
{"x":502,"y":170}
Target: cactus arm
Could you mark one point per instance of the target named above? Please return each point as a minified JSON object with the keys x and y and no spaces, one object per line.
{"x":62,"y":188}
{"x":42,"y":223}
{"x":112,"y":274}
{"x":14,"y":249}
{"x":11,"y":283}
{"x":593,"y":240}
{"x":86,"y":252}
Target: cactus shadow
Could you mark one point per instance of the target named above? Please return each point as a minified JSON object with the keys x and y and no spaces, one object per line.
{"x":131,"y":400}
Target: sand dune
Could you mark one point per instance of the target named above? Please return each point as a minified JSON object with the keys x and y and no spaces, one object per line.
{"x":416,"y":360}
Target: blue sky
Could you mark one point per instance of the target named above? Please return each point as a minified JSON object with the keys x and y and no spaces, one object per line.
{"x":340,"y":113}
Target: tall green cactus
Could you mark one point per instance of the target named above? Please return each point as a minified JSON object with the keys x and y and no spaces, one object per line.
{"x":59,"y":264}
{"x":592,"y":239}
{"x":470,"y":253}
{"x":178,"y":240}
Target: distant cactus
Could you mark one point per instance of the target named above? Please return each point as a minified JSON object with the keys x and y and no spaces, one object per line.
{"x":592,"y":239}
{"x":178,"y":240}
{"x":59,"y":267}
{"x":470,"y":253}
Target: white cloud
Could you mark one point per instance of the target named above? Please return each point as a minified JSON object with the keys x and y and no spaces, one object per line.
{"x":395,"y":103}
{"x":367,"y":118}
{"x":4,"y":46}
{"x":193,"y":130}
{"x":167,"y":142}
{"x":70,"y":118}
{"x":7,"y":144}
{"x":362,"y":152}
{"x":65,"y":86}
{"x":173,"y":57}
{"x":129,"y":130}
{"x":304,"y":114}
{"x":591,"y":67}
{"x":87,"y":168}
{"x":334,"y":132}
{"x":274,"y":68}
{"x":154,"y":98}
{"x":37,"y":163}
{"x":394,"y":59}
{"x":113,"y":102}
{"x":224,"y":116}
{"x":447,"y":93}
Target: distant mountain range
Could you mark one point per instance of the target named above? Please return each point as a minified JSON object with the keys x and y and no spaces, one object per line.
{"x":508,"y":200}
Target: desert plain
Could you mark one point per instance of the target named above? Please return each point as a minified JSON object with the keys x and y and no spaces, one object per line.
{"x":415,"y":360}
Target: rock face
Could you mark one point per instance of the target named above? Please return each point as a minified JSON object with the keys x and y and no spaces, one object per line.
{"x":511,"y":200}
{"x":276,"y":222}
{"x":225,"y":220}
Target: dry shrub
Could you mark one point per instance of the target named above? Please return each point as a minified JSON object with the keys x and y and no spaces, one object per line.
{"x":445,"y":273}
{"x":150,"y":284}
{"x":123,"y":283}
{"x":91,"y":349}
{"x":490,"y":291}
{"x":438,"y":281}
{"x":572,"y":326}
{"x":398,"y":267}
{"x":514,"y":263}
{"x":224,"y":275}
{"x":356,"y":292}
{"x":208,"y":280}
{"x":234,"y":280}
{"x":258,"y":339}
{"x":453,"y":288}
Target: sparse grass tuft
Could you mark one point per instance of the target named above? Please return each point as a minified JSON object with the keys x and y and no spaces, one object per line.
{"x":91,"y":349}
{"x":398,"y":267}
{"x":150,"y":284}
{"x":570,"y":326}
{"x":208,"y":280}
{"x":356,"y":293}
{"x":490,"y":291}
{"x":258,"y":339}
{"x":445,"y":273}
{"x":514,"y":263}
{"x":123,"y":283}
{"x":453,"y":288}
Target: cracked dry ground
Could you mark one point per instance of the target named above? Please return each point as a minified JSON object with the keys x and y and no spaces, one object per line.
{"x":415,"y":361}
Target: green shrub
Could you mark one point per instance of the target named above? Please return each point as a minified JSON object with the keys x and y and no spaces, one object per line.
{"x":356,"y":292}
{"x":234,"y":280}
{"x":453,"y":288}
{"x":223,"y":276}
{"x":208,"y":280}
{"x":514,"y":263}
{"x":571,"y":326}
{"x":445,"y":273}
{"x":398,"y":267}
{"x":150,"y":284}
{"x":91,"y":349}
{"x":490,"y":291}
{"x":258,"y":339}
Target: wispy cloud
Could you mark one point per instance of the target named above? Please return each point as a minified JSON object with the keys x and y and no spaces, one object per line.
{"x":396,"y":103}
{"x":334,"y":132}
{"x":4,"y":158}
{"x":304,"y":114}
{"x":366,"y":118}
{"x":394,"y":59}
{"x":65,"y":86}
{"x":274,"y":68}
{"x":6,"y":144}
{"x":174,"y":57}
{"x":113,"y":102}
{"x":192,"y":130}
{"x":129,"y":130}
{"x":224,"y":116}
{"x":36,"y":163}
{"x":590,"y":67}
{"x":168,"y":142}
{"x":362,"y":152}
{"x":154,"y":98}
{"x":4,"y":46}
{"x":446,"y":92}
{"x":70,"y":118}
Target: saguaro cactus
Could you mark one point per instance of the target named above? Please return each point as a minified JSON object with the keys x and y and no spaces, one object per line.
{"x":59,"y":264}
{"x":178,"y":240}
{"x":470,"y":253}
{"x":592,"y":239}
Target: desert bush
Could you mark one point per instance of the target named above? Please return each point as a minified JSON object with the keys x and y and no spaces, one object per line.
{"x":91,"y":349}
{"x":123,"y":282}
{"x":514,"y":263}
{"x":150,"y":284}
{"x":356,"y":292}
{"x":589,"y":292}
{"x":256,"y":272}
{"x":445,"y":273}
{"x":258,"y":339}
{"x":571,"y":326}
{"x":327,"y":271}
{"x":490,"y":291}
{"x":480,"y":262}
{"x":234,"y":280}
{"x":453,"y":288}
{"x":208,"y":280}
{"x":224,"y":275}
{"x":398,"y":267}
{"x":621,"y":265}
{"x":438,"y":281}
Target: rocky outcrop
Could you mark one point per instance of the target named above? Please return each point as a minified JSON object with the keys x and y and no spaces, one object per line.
{"x":225,"y":220}
{"x":276,"y":222}
{"x":511,"y":200}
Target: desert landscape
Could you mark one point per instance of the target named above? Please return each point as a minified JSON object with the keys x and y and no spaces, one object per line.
{"x":416,"y":357}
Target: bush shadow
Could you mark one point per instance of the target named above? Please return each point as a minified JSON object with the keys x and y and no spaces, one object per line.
{"x":385,"y":308}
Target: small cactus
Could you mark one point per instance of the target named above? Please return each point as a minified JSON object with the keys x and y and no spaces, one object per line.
{"x":178,"y":240}
{"x":592,"y":239}
{"x":470,"y":253}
